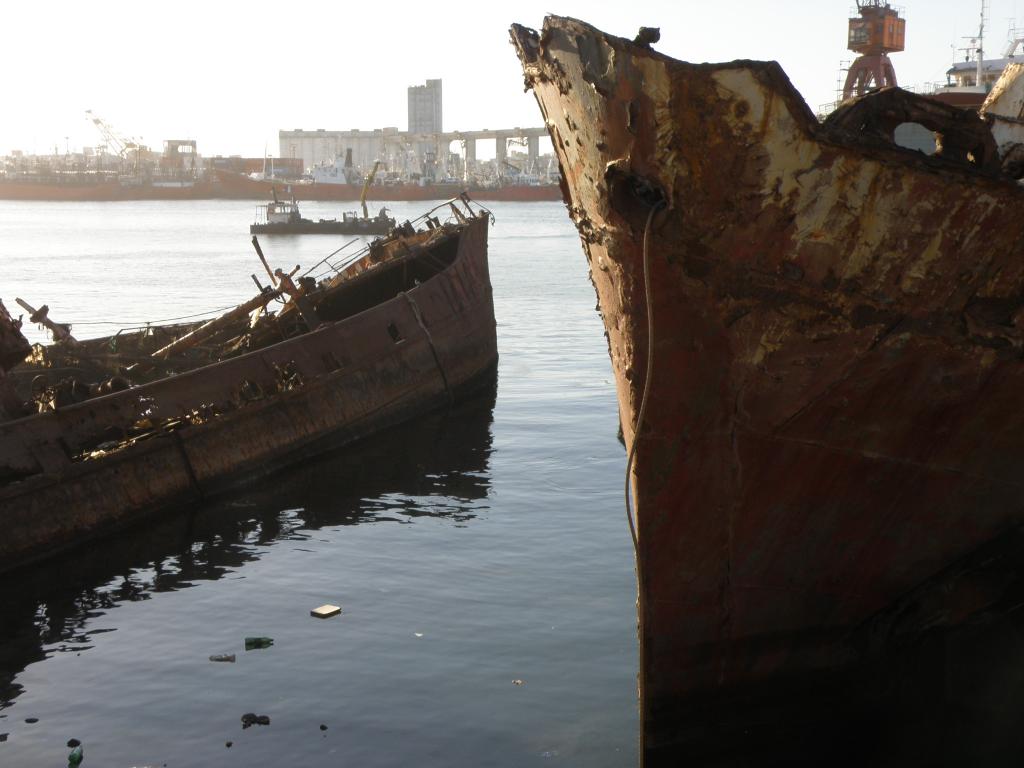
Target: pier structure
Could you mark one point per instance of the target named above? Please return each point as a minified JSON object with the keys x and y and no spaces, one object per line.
{"x":427,"y":154}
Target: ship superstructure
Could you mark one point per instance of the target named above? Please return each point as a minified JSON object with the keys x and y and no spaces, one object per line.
{"x":968,"y":82}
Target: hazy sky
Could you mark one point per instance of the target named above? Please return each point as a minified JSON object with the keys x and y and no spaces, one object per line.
{"x":231,"y":74}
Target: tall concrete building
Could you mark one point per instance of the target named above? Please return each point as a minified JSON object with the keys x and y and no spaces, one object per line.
{"x":425,"y":107}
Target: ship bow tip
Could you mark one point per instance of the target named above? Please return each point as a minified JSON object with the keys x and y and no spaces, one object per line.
{"x":526,"y":41}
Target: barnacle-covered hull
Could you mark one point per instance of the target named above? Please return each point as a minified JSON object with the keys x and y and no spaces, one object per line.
{"x":833,"y":416}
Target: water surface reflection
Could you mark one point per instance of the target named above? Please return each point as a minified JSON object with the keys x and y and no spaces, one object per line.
{"x":436,"y":466}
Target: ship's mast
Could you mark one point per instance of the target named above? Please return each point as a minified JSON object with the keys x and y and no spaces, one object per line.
{"x":981,"y":43}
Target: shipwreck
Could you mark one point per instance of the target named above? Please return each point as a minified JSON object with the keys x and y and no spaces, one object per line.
{"x":96,"y":434}
{"x":817,"y":340}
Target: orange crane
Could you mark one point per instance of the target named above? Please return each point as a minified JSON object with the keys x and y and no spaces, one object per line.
{"x":877,"y":32}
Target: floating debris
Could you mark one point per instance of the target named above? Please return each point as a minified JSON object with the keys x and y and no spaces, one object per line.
{"x":517,"y":681}
{"x":76,"y":755}
{"x":250,"y":719}
{"x":326,"y":611}
{"x":323,"y":727}
{"x":256,"y":643}
{"x":228,"y":744}
{"x":31,"y":720}
{"x":72,"y":743}
{"x":228,"y":657}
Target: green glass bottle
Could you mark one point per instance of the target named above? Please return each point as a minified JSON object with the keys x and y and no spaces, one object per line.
{"x":76,"y":755}
{"x":254,"y":643}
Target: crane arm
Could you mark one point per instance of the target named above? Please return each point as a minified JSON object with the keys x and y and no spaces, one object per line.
{"x":366,"y":186}
{"x":119,"y":144}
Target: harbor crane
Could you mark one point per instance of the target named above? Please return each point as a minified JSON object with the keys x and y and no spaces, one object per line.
{"x":877,"y":32}
{"x":366,"y":187}
{"x":120,"y":145}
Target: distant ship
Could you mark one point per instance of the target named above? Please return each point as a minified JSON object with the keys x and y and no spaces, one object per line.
{"x":102,"y":186}
{"x":241,"y":186}
{"x":968,"y":82}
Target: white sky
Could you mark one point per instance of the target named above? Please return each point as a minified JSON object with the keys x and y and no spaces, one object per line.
{"x":230,"y":74}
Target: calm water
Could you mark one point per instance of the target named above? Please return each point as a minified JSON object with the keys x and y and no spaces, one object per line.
{"x":469,"y":550}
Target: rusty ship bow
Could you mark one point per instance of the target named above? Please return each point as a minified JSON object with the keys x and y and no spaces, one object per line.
{"x":833,"y":416}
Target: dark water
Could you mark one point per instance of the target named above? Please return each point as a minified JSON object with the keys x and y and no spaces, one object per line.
{"x":468,"y":550}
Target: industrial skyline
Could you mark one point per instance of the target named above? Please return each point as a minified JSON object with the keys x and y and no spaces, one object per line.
{"x":127,"y":63}
{"x":425,"y":148}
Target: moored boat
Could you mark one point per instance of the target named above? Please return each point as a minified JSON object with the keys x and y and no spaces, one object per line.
{"x":816,"y":337}
{"x":406,"y":327}
{"x":282,"y":217}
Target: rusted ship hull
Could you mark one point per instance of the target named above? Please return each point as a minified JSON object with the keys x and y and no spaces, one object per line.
{"x":426,"y":345}
{"x":832,"y":417}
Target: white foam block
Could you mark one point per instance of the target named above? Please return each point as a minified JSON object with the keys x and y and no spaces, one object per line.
{"x":326,"y":611}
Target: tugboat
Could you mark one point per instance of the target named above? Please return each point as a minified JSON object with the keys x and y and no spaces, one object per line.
{"x":283,"y":218}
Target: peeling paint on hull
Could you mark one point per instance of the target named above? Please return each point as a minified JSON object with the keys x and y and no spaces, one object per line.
{"x":834,"y":407}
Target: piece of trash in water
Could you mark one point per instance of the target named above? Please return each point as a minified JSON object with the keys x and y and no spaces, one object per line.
{"x":517,"y":681}
{"x":323,"y":727}
{"x":418,"y":634}
{"x":255,"y":643}
{"x":227,"y":744}
{"x":551,"y":753}
{"x":72,"y":743}
{"x":76,"y":755}
{"x":326,"y":611}
{"x":228,"y":657}
{"x":251,"y":718}
{"x":3,"y":736}
{"x":31,"y":720}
